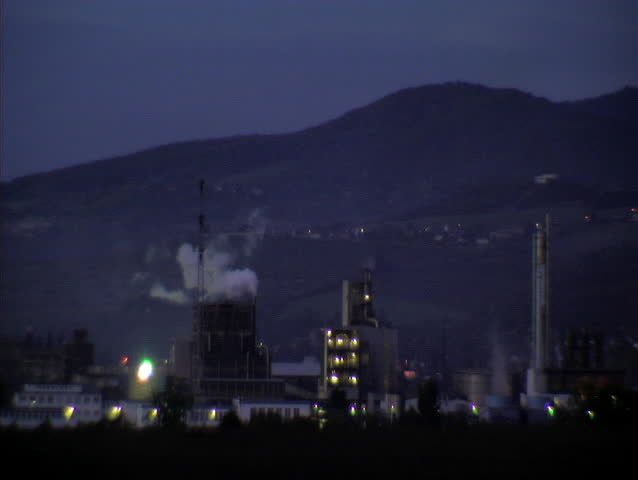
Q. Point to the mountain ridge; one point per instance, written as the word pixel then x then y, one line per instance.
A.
pixel 85 244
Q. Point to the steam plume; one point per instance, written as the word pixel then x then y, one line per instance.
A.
pixel 220 280
pixel 177 297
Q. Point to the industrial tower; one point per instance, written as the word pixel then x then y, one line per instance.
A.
pixel 226 361
pixel 361 357
pixel 540 344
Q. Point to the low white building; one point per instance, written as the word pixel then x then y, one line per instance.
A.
pixel 60 405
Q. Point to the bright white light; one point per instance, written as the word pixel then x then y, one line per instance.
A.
pixel 145 371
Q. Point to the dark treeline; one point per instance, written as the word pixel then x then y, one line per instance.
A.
pixel 299 449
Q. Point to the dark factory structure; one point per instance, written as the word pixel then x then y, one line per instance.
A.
pixel 226 360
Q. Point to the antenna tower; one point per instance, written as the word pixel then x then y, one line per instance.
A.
pixel 201 245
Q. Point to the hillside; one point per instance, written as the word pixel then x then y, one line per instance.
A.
pixel 85 246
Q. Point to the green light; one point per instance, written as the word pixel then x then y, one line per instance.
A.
pixel 145 370
pixel 475 410
pixel 591 414
pixel 551 410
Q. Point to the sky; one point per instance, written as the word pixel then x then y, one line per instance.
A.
pixel 85 80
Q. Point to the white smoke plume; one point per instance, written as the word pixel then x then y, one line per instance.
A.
pixel 187 259
pixel 177 297
pixel 220 280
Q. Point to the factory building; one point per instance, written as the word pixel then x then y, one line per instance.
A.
pixel 33 360
pixel 361 357
pixel 60 405
pixel 180 356
pixel 583 364
pixel 226 360
pixel 301 379
pixel 356 303
pixel 342 362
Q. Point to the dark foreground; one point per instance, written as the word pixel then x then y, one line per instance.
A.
pixel 479 451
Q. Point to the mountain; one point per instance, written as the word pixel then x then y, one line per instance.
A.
pixel 402 151
pixel 621 106
pixel 86 245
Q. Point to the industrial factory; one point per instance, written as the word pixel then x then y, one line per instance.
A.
pixel 224 368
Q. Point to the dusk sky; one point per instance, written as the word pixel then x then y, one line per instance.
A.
pixel 85 80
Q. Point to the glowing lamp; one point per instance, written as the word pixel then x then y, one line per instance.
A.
pixel 145 370
pixel 68 412
pixel 114 412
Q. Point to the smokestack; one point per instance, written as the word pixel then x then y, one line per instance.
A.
pixel 540 296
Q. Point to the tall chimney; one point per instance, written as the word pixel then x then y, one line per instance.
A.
pixel 540 296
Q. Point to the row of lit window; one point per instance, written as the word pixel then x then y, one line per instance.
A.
pixel 351 360
pixel 342 341
pixel 336 379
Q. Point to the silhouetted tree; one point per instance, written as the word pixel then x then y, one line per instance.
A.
pixel 173 403
pixel 230 421
pixel 429 402
pixel 270 420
